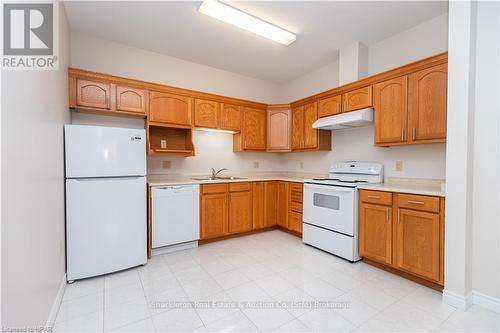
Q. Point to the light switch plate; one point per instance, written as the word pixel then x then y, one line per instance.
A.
pixel 163 144
pixel 399 166
pixel 256 164
pixel 302 165
pixel 166 164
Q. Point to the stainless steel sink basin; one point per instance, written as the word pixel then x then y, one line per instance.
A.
pixel 218 178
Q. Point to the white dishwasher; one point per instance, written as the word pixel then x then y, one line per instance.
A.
pixel 175 214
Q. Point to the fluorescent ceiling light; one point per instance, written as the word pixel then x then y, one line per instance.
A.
pixel 246 21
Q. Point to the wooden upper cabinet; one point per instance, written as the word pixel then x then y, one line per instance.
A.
pixel 427 107
pixel 417 243
pixel 214 218
pixel 130 99
pixel 310 133
pixel 391 111
pixel 357 99
pixel 375 232
pixel 282 210
pixel 206 113
pixel 230 117
pixel 254 129
pixel 330 106
pixel 170 109
pixel 258 205
pixel 240 211
pixel 279 130
pixel 270 203
pixel 93 94
pixel 298 128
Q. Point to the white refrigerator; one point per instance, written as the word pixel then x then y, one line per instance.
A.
pixel 105 199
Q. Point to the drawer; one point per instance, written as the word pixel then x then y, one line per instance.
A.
pixel 239 187
pixel 296 206
pixel 418 202
pixel 376 197
pixel 295 222
pixel 214 188
pixel 296 192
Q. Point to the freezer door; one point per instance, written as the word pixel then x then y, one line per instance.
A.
pixel 98 151
pixel 105 225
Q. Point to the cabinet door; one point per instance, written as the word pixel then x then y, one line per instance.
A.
pixel 270 203
pixel 330 106
pixel 428 98
pixel 375 232
pixel 170 109
pixel 130 99
pixel 213 215
pixel 310 133
pixel 391 112
pixel 357 99
pixel 278 130
pixel 230 117
pixel 297 128
pixel 282 215
pixel 240 212
pixel 93 94
pixel 295 223
pixel 206 113
pixel 258 205
pixel 417 243
pixel 254 129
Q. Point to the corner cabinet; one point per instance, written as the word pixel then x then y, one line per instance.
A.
pixel 304 136
pixel 404 232
pixel 252 136
pixel 279 130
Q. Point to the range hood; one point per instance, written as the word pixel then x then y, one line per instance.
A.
pixel 359 118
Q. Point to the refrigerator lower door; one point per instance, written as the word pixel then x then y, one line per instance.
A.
pixel 105 225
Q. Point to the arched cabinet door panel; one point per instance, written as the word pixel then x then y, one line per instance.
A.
pixel 169 108
pixel 206 113
pixel 93 94
pixel 130 99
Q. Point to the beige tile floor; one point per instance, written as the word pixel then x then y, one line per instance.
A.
pixel 264 282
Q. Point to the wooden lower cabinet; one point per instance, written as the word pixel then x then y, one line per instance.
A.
pixel 213 215
pixel 417 243
pixel 295 223
pixel 375 238
pixel 403 231
pixel 270 203
pixel 282 211
pixel 258 204
pixel 240 212
pixel 295 213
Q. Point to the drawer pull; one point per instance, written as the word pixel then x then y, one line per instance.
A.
pixel 414 202
pixel 387 214
pixel 399 216
pixel 373 197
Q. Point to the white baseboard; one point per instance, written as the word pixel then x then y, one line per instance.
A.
pixel 456 300
pixel 57 303
pixel 174 248
pixel 488 302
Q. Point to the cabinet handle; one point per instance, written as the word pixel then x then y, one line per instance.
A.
pixel 402 134
pixel 414 202
pixel 228 197
pixel 399 216
pixel 373 197
pixel 387 214
pixel 413 133
pixel 225 198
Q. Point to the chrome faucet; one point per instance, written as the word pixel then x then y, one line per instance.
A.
pixel 215 173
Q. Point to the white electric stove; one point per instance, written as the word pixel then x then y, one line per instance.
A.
pixel 331 209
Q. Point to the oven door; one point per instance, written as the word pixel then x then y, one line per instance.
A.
pixel 330 207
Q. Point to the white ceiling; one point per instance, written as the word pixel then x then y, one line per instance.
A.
pixel 177 29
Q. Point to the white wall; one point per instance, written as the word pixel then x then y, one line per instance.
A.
pixel 485 214
pixel 109 57
pixel 34 109
pixel 423 40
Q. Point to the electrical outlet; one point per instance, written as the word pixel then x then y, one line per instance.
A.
pixel 302 165
pixel 256 164
pixel 166 164
pixel 163 144
pixel 399 166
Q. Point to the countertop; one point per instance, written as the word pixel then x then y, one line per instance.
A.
pixel 165 180
pixel 432 187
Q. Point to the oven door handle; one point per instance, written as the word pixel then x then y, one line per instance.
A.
pixel 329 188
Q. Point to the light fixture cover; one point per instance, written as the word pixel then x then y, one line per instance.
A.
pixel 246 21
